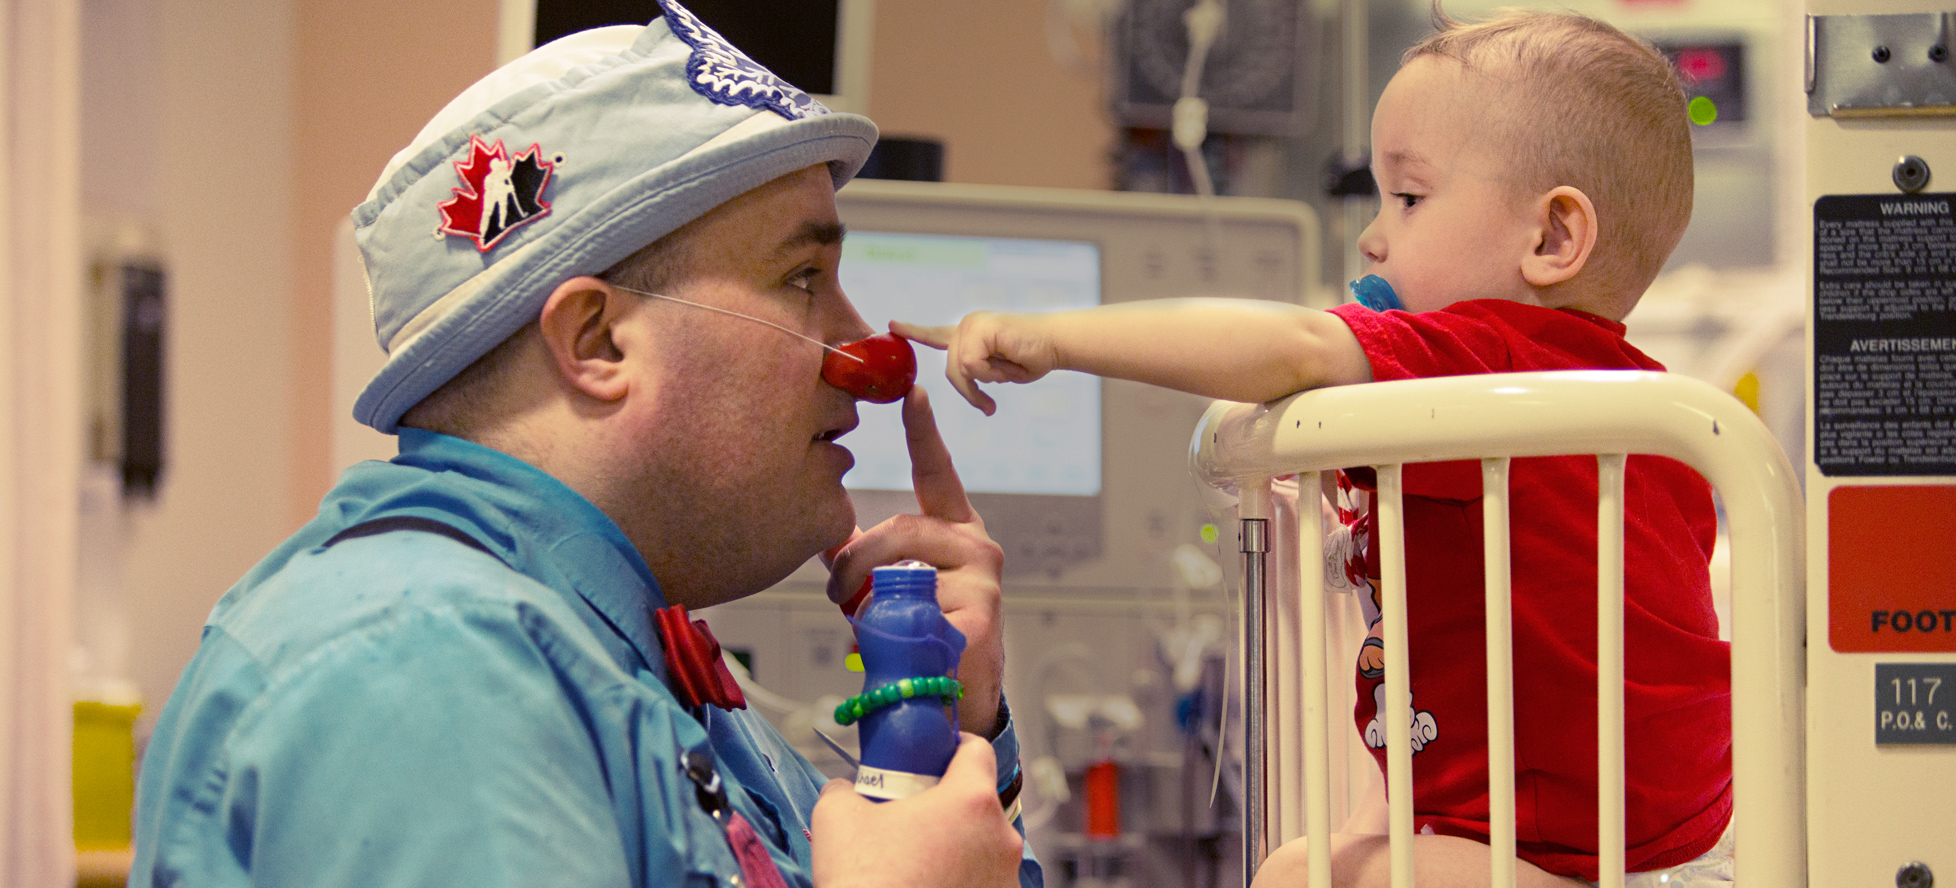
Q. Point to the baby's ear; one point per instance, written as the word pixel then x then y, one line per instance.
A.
pixel 1564 239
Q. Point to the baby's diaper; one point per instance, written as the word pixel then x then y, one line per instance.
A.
pixel 1713 870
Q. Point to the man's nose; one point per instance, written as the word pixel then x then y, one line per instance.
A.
pixel 848 325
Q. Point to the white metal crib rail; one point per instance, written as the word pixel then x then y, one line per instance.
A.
pixel 1240 447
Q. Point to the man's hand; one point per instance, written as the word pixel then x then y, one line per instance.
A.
pixel 953 835
pixel 950 536
pixel 987 346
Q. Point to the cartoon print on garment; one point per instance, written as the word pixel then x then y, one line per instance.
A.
pixel 721 72
pixel 1345 543
pixel 1350 546
pixel 1347 558
pixel 1425 728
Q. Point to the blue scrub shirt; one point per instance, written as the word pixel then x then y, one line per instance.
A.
pixel 403 709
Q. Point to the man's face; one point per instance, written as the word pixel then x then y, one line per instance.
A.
pixel 1449 227
pixel 739 477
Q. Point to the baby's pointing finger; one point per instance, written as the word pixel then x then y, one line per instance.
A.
pixel 936 337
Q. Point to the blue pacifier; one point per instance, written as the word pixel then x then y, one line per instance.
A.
pixel 1374 293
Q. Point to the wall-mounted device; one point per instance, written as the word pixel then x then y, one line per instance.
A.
pixel 1714 79
pixel 1257 80
pixel 126 318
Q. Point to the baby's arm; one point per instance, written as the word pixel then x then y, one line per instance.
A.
pixel 1235 349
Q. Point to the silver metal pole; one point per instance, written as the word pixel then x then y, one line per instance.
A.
pixel 1256 545
pixel 1356 132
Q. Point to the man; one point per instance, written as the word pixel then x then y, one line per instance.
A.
pixel 465 671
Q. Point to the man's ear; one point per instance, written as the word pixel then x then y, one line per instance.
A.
pixel 577 324
pixel 1565 239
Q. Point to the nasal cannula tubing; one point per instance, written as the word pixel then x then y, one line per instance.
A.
pixel 747 316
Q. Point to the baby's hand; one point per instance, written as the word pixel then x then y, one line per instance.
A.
pixel 987 346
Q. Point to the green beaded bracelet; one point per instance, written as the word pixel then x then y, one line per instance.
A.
pixel 889 695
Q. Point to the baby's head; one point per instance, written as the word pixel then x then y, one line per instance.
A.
pixel 1542 157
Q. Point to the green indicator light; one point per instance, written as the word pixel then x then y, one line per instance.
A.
pixel 1209 533
pixel 1702 111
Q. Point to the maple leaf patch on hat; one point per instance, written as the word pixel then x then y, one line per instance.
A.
pixel 497 194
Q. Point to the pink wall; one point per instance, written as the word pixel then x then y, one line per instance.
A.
pixel 369 74
pixel 980 77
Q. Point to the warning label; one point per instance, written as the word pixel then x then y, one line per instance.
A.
pixel 1885 334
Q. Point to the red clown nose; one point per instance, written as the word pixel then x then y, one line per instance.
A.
pixel 879 369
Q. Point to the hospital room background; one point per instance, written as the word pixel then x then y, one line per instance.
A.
pixel 189 321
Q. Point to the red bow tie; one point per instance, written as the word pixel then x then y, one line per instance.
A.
pixel 693 661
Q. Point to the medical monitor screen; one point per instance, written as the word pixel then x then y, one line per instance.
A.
pixel 1045 437
pixel 795 39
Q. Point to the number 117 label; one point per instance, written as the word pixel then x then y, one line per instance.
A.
pixel 1915 704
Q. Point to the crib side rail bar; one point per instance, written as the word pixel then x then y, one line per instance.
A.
pixel 1315 692
pixel 1397 706
pixel 1495 557
pixel 1610 791
pixel 1570 412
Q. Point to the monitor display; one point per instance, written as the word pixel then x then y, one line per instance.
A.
pixel 1045 437
pixel 820 46
pixel 795 39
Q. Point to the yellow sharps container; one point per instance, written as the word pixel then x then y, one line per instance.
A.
pixel 105 773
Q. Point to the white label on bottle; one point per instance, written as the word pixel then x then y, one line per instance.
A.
pixel 877 783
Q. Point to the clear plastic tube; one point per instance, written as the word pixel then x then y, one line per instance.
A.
pixel 747 316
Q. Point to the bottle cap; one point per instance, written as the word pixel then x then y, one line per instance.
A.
pixel 905 578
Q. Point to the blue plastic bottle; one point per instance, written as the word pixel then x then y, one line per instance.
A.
pixel 903 635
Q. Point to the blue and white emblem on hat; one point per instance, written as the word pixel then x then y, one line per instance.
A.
pixel 719 71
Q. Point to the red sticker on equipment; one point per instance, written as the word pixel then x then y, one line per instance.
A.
pixel 1891 574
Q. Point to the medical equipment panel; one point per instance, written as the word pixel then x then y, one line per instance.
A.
pixel 1078 479
pixel 1881 474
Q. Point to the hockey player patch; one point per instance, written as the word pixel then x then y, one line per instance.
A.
pixel 498 193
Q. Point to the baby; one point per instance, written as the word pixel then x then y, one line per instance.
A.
pixel 1535 171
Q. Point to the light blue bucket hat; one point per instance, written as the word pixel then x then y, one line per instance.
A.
pixel 565 162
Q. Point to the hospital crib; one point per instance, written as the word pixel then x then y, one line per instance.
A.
pixel 1293 733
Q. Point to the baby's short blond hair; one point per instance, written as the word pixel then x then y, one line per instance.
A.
pixel 1582 104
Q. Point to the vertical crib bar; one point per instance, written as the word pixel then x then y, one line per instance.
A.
pixel 1398 704
pixel 1286 711
pixel 1317 728
pixel 1609 670
pixel 1256 544
pixel 1500 673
